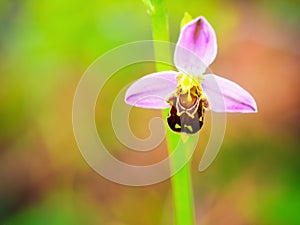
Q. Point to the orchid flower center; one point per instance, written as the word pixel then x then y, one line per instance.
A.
pixel 187 105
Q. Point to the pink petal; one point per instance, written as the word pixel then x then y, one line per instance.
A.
pixel 152 91
pixel 226 96
pixel 196 48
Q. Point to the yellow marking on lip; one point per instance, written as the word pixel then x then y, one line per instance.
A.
pixel 189 127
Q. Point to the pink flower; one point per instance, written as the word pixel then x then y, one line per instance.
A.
pixel 188 92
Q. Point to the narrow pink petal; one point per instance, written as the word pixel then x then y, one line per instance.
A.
pixel 226 96
pixel 196 48
pixel 152 91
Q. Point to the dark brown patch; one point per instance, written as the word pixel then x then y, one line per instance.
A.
pixel 185 123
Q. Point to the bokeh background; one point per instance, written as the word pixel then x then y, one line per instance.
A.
pixel 45 47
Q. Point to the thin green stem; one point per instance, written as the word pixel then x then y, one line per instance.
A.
pixel 182 191
pixel 181 182
pixel 160 31
pixel 182 196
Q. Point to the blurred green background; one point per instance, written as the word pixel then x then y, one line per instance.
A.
pixel 45 47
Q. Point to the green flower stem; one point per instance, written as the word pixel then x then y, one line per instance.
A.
pixel 182 191
pixel 181 181
pixel 160 32
pixel 182 197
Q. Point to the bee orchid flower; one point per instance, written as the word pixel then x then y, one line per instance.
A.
pixel 189 92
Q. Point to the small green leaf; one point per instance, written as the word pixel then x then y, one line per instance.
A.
pixel 186 19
